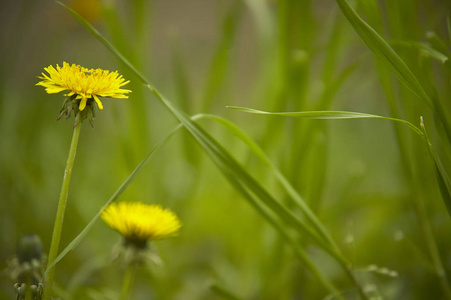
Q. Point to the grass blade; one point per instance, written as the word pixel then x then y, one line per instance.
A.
pixel 391 59
pixel 383 51
pixel 328 115
pixel 448 22
pixel 443 179
pixel 425 49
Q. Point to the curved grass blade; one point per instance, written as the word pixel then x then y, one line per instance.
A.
pixel 445 189
pixel 443 179
pixel 328 115
pixel 424 48
pixel 74 243
pixel 383 51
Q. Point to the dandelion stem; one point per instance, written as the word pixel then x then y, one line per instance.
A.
pixel 58 226
pixel 128 280
pixel 28 295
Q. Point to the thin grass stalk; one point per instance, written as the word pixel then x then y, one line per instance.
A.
pixel 129 275
pixel 28 294
pixel 431 243
pixel 58 226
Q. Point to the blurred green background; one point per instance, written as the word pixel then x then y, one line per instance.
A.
pixel 204 55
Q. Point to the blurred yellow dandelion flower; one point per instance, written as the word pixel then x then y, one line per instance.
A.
pixel 84 84
pixel 139 222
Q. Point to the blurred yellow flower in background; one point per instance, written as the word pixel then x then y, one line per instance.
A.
pixel 84 84
pixel 139 222
pixel 91 10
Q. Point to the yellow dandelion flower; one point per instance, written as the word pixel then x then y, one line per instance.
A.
pixel 83 84
pixel 139 222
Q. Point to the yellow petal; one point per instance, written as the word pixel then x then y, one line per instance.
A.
pixel 98 102
pixel 82 104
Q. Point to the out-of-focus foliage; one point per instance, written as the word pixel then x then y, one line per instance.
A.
pixel 371 183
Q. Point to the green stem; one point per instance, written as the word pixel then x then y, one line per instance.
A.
pixel 128 280
pixel 58 226
pixel 28 295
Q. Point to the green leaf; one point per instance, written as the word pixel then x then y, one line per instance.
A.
pixel 443 179
pixel 383 51
pixel 328 115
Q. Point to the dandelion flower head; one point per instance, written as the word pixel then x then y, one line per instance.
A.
pixel 83 84
pixel 140 222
